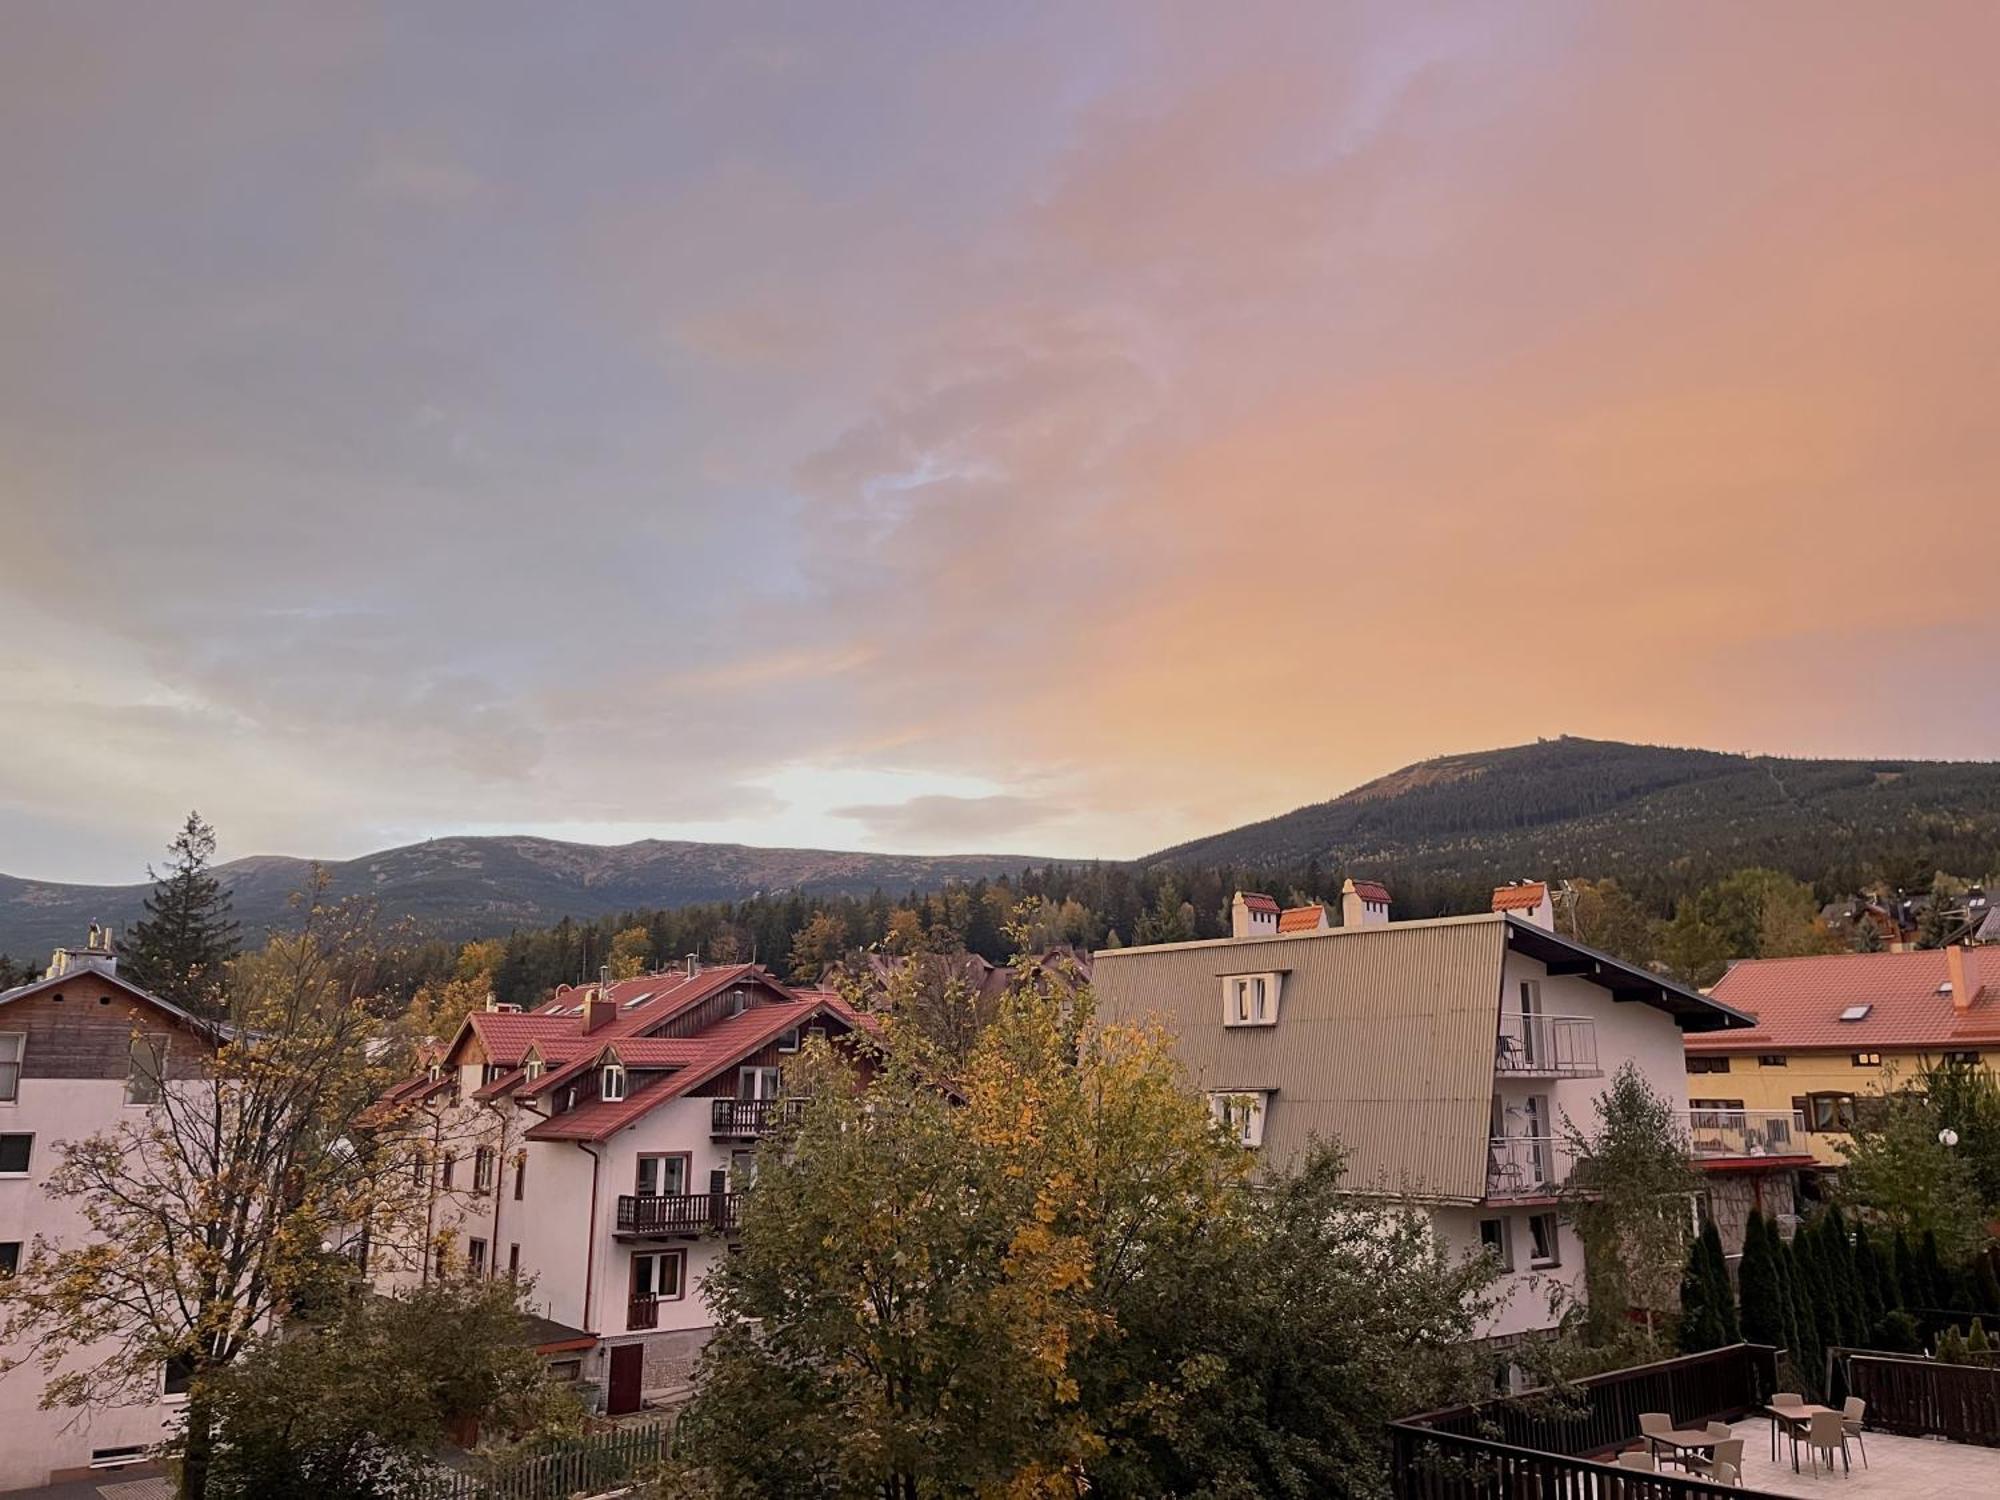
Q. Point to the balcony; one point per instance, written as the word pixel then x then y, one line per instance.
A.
pixel 1524 1166
pixel 678 1215
pixel 747 1119
pixel 1721 1133
pixel 642 1312
pixel 1535 1046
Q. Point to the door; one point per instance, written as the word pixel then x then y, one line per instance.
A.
pixel 1531 1024
pixel 621 1394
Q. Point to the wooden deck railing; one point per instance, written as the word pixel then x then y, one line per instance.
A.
pixel 1426 1464
pixel 1918 1397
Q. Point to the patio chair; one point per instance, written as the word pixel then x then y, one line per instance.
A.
pixel 1636 1460
pixel 1728 1455
pixel 1852 1415
pixel 1788 1398
pixel 1828 1431
pixel 1727 1474
pixel 1721 1430
pixel 1651 1424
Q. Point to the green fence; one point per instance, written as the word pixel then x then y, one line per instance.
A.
pixel 586 1466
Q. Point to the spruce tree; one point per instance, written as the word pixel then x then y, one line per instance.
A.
pixel 1937 1281
pixel 1803 1322
pixel 1762 1317
pixel 1909 1277
pixel 1722 1296
pixel 181 950
pixel 1698 1324
pixel 1868 1282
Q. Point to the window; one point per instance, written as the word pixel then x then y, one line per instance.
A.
pixel 450 1166
pixel 419 1164
pixel 12 1045
pixel 520 1174
pixel 482 1170
pixel 14 1153
pixel 1715 1106
pixel 1250 999
pixel 117 1458
pixel 1545 1248
pixel 1500 1244
pixel 10 1257
pixel 514 1262
pixel 178 1376
pixel 1771 1060
pixel 142 1078
pixel 757 1083
pixel 475 1258
pixel 435 1072
pixel 612 1086
pixel 531 1069
pixel 1962 1059
pixel 1867 1059
pixel 788 1040
pixel 565 1369
pixel 1856 1012
pixel 658 1275
pixel 1241 1113
pixel 662 1176
pixel 1826 1112
pixel 1707 1064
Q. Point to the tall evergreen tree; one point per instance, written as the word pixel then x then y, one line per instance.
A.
pixel 1875 1297
pixel 1722 1296
pixel 1761 1291
pixel 1909 1276
pixel 183 947
pixel 1701 1319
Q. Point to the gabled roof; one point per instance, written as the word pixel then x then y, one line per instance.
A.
pixel 721 1046
pixel 643 1003
pixel 1302 918
pixel 1258 901
pixel 1371 890
pixel 1797 1002
pixel 94 976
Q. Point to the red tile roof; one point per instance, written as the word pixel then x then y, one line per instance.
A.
pixel 1519 897
pixel 1798 1001
pixel 720 1046
pixel 1302 918
pixel 643 1003
pixel 1258 901
pixel 1372 890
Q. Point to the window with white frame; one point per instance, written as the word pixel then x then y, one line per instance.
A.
pixel 658 1275
pixel 531 1069
pixel 1250 999
pixel 15 1153
pixel 1497 1241
pixel 613 1084
pixel 788 1041
pixel 1545 1246
pixel 482 1170
pixel 13 1044
pixel 1241 1113
pixel 148 1062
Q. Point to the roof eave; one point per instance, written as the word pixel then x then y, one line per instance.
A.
pixel 1691 1009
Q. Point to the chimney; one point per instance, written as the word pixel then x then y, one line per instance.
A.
pixel 1252 914
pixel 1363 903
pixel 693 965
pixel 1961 992
pixel 598 1010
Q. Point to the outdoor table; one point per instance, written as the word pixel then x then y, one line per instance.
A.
pixel 1794 1419
pixel 1681 1440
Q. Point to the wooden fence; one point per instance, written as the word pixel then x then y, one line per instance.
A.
pixel 1919 1397
pixel 1600 1413
pixel 587 1466
pixel 1429 1465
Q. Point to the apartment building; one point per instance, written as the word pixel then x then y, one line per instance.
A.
pixel 82 1051
pixel 600 1144
pixel 1441 1054
pixel 1835 1030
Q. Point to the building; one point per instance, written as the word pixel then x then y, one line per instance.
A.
pixel 1442 1055
pixel 599 1144
pixel 82 1052
pixel 1833 1030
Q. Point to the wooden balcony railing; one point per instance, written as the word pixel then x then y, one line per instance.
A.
pixel 642 1312
pixel 746 1119
pixel 673 1214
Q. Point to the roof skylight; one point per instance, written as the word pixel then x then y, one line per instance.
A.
pixel 639 999
pixel 1856 1012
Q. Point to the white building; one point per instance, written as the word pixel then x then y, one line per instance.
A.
pixel 598 1144
pixel 82 1052
pixel 1442 1055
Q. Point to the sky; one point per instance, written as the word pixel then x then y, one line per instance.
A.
pixel 1050 429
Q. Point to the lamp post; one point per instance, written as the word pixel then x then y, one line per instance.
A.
pixel 1947 1137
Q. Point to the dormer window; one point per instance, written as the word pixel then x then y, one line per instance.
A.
pixel 1241 1112
pixel 1250 999
pixel 435 1072
pixel 613 1084
pixel 531 1069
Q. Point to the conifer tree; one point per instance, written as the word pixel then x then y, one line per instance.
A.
pixel 1976 1342
pixel 1986 1284
pixel 1701 1322
pixel 1909 1276
pixel 1874 1301
pixel 182 949
pixel 1762 1317
pixel 1721 1296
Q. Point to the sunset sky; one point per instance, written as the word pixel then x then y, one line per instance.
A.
pixel 1061 429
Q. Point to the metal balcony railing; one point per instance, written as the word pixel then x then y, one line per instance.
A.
pixel 1536 1046
pixel 745 1119
pixel 1524 1166
pixel 671 1214
pixel 1745 1132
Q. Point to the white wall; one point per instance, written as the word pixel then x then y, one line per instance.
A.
pixel 34 1442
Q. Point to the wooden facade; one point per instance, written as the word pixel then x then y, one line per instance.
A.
pixel 83 1027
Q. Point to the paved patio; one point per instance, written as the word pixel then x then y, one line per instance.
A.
pixel 1898 1467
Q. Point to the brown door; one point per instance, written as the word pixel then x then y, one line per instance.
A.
pixel 628 1361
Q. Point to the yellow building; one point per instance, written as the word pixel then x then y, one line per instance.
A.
pixel 1832 1032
